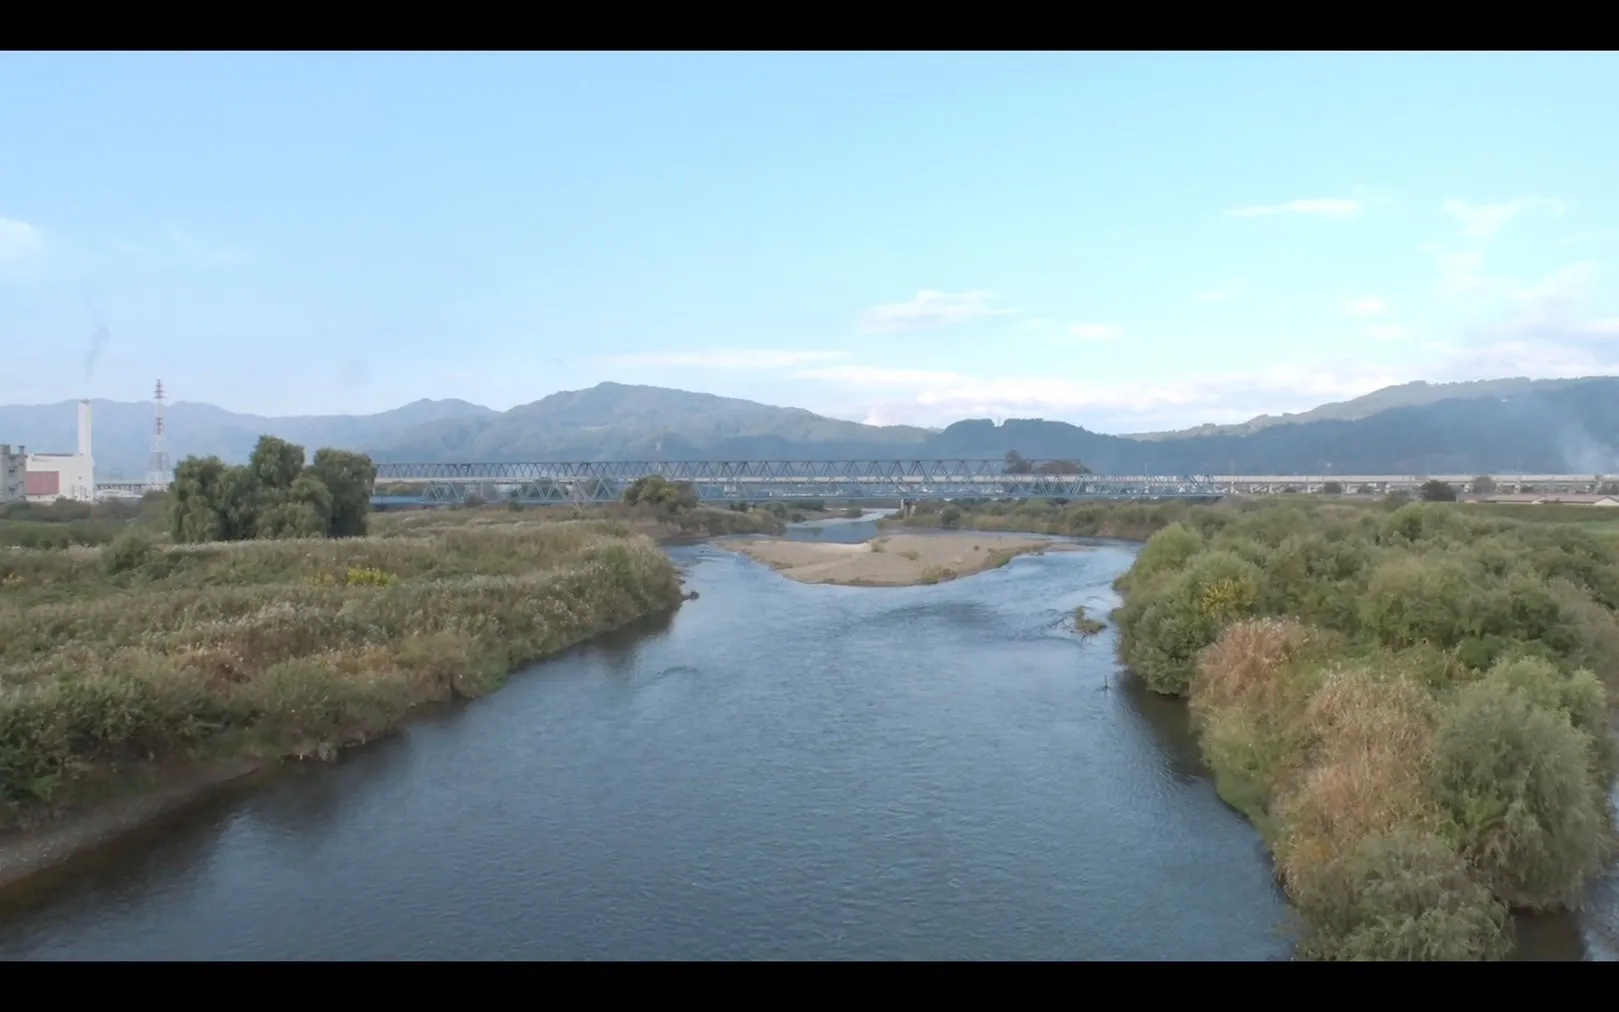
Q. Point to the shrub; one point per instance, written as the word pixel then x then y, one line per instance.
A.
pixel 1166 552
pixel 1515 780
pixel 129 551
pixel 1165 635
pixel 1367 736
pixel 1085 625
pixel 1403 895
pixel 1411 705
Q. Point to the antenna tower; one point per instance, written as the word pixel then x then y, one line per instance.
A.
pixel 157 465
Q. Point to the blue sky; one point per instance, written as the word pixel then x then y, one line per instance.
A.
pixel 1126 241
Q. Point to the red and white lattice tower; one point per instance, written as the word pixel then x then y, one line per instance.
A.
pixel 157 464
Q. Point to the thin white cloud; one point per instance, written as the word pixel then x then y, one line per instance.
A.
pixel 1461 272
pixel 1223 293
pixel 930 309
pixel 1325 207
pixel 1585 238
pixel 202 252
pixel 1365 307
pixel 1387 332
pixel 1482 221
pixel 735 358
pixel 876 376
pixel 934 398
pixel 177 247
pixel 18 240
pixel 929 397
pixel 1095 331
pixel 1561 285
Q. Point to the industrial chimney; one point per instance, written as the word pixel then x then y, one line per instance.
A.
pixel 84 430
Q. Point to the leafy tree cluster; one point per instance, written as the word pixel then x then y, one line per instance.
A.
pixel 657 491
pixel 1410 705
pixel 1435 490
pixel 274 495
pixel 1016 463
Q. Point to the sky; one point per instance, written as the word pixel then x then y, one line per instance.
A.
pixel 1129 242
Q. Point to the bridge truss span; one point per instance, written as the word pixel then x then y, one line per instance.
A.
pixel 764 480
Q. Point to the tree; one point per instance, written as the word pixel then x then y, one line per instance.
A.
pixel 1332 488
pixel 194 500
pixel 656 490
pixel 1015 464
pixel 1434 490
pixel 273 496
pixel 1062 467
pixel 1483 485
pixel 348 477
pixel 276 463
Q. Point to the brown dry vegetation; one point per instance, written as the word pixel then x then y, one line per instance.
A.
pixel 1411 705
pixel 648 519
pixel 116 658
pixel 1135 521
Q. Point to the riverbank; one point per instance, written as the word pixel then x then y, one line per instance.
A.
pixel 658 524
pixel 1412 707
pixel 227 656
pixel 891 561
pixel 1125 521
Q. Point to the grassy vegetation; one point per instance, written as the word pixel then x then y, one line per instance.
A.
pixel 653 520
pixel 65 523
pixel 1411 705
pixel 1085 625
pixel 116 658
pixel 1135 521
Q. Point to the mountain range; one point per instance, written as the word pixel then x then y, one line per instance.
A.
pixel 1494 426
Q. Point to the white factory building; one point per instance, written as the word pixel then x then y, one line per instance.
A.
pixel 53 476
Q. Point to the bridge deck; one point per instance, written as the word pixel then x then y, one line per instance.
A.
pixel 734 481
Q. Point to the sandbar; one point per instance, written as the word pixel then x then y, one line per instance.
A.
pixel 898 560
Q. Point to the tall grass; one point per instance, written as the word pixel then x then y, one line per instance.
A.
pixel 701 521
pixel 1412 706
pixel 1135 521
pixel 112 658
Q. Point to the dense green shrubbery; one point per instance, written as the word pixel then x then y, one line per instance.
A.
pixel 1411 705
pixel 66 523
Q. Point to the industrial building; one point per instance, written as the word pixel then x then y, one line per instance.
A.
pixel 52 476
pixel 13 473
pixel 1573 499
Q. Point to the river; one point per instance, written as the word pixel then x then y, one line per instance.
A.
pixel 780 771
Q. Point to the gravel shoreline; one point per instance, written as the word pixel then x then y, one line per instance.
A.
pixel 898 560
pixel 26 852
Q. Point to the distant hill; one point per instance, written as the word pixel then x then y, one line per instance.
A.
pixel 1564 426
pixel 122 432
pixel 1572 428
pixel 614 421
pixel 1406 395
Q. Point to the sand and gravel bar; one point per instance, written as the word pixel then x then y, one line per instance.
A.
pixel 899 560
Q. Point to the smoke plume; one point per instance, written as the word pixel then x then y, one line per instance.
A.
pixel 99 339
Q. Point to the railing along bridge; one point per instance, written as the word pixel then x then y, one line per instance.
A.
pixel 763 480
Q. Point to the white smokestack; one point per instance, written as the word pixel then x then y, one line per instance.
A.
pixel 84 429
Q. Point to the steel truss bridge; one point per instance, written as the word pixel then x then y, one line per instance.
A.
pixel 763 480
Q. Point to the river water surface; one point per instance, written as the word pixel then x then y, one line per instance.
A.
pixel 780 771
